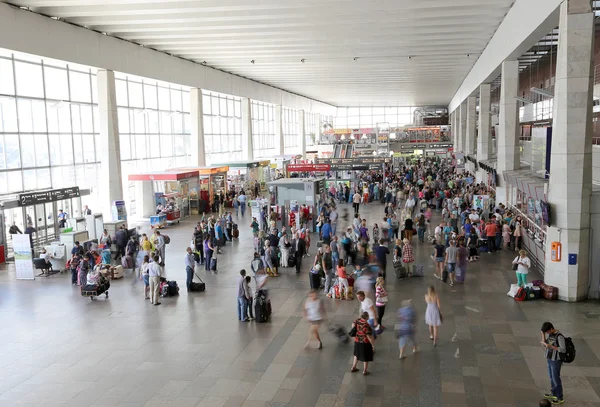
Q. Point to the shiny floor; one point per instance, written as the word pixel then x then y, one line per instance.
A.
pixel 58 348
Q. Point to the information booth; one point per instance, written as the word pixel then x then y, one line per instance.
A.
pixel 243 174
pixel 40 209
pixel 176 188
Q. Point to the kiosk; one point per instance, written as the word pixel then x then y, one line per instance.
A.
pixel 68 240
pixel 176 185
pixel 299 191
pixel 243 174
pixel 212 180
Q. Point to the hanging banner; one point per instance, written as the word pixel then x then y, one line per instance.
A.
pixel 480 201
pixel 23 257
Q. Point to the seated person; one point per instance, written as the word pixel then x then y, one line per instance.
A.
pixel 46 256
pixel 159 209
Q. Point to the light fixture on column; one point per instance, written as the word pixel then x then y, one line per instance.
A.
pixel 393 136
pixel 542 92
pixel 526 101
pixel 252 61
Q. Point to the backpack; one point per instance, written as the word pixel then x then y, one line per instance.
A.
pixel 521 295
pixel 167 239
pixel 569 355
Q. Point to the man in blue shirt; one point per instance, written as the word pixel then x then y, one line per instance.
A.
pixel 326 232
pixel 381 252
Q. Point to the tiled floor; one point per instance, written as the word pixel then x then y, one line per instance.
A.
pixel 58 348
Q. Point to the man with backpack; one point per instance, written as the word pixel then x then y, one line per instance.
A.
pixel 558 349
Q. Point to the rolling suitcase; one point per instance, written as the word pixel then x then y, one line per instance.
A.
pixel 235 233
pixel 445 276
pixel 418 270
pixel 401 272
pixel 262 308
pixel 199 287
pixel 213 264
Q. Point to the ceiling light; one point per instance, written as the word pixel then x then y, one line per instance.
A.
pixel 24 8
pixel 542 92
pixel 302 60
pixel 356 58
pixel 104 33
pixel 55 18
pixel 203 63
pixel 252 61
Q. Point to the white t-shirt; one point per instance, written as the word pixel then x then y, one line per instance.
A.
pixel 366 305
pixel 474 217
pixel 313 310
pixel 356 198
pixel 520 268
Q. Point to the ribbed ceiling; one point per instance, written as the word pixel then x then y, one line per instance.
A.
pixel 344 52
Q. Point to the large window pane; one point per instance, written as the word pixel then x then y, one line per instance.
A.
pixel 7 84
pixel 59 117
pixel 123 114
pixel 125 147
pixel 27 151
pixel 77 149
pixel 176 100
pixel 8 115
pixel 121 91
pixel 66 149
pixel 164 98
pixel 15 181
pixel 29 79
pixel 88 148
pixel 150 97
pixel 136 99
pixel 57 85
pixel 81 90
pixel 152 120
pixel 55 153
pixel 87 120
pixel 13 153
pixel 41 150
pixel 166 145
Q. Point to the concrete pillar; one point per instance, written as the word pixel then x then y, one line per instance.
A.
pixel 462 135
pixel 484 136
pixel 302 133
pixel 279 142
pixel 507 138
pixel 571 152
pixel 471 131
pixel 455 129
pixel 197 134
pixel 319 128
pixel 110 181
pixel 144 199
pixel 247 145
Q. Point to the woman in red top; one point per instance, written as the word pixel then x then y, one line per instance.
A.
pixel 364 344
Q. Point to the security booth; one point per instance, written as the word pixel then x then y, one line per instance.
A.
pixel 39 210
pixel 173 190
pixel 291 193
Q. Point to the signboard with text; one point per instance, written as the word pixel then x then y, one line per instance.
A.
pixel 34 198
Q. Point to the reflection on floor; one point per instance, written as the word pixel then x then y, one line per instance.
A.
pixel 61 349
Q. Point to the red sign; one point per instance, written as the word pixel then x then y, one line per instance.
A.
pixel 308 167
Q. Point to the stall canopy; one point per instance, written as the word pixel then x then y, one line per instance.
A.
pixel 246 164
pixel 204 170
pixel 175 175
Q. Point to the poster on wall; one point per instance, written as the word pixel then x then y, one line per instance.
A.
pixel 480 201
pixel 23 257
pixel 530 208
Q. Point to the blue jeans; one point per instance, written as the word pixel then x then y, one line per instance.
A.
pixel 243 209
pixel 371 322
pixel 241 308
pixel 555 381
pixel 421 233
pixel 190 276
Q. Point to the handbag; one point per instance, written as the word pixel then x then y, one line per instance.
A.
pixel 515 267
pixel 441 318
pixel 352 332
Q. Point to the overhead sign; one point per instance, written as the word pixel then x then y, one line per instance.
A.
pixel 53 195
pixel 308 167
pixel 354 161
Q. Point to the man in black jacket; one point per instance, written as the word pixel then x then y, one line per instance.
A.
pixel 121 242
pixel 300 249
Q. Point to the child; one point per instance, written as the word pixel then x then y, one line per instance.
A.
pixel 376 234
pixel 343 280
pixel 74 263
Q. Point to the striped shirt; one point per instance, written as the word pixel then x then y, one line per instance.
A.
pixel 556 339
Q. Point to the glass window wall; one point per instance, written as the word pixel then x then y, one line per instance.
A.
pixel 291 129
pixel 222 127
pixel 263 129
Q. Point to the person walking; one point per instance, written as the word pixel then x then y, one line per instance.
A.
pixel 450 259
pixel 327 264
pixel 366 305
pixel 408 257
pixel 439 256
pixel 154 275
pixel 314 313
pixel 406 327
pixel 190 263
pixel 433 315
pixel 490 233
pixel 343 280
pixel 522 263
pixel 461 263
pixel 356 201
pixel 554 343
pixel 241 296
pixel 364 343
pixel 381 299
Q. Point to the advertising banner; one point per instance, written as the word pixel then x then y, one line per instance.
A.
pixel 23 257
pixel 480 201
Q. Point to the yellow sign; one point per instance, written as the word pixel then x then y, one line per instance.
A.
pixel 402 155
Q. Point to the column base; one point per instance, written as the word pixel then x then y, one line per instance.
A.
pixel 572 280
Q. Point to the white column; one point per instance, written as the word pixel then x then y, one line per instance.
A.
pixel 111 182
pixel 319 129
pixel 484 136
pixel 455 129
pixel 279 142
pixel 507 138
pixel 197 122
pixel 571 155
pixel 302 132
pixel 144 199
pixel 462 135
pixel 247 145
pixel 470 136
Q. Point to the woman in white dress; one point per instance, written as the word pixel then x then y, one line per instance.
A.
pixel 433 315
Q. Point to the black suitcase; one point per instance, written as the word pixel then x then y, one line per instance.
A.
pixel 445 275
pixel 291 261
pixel 262 308
pixel 198 287
pixel 213 264
pixel 401 272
